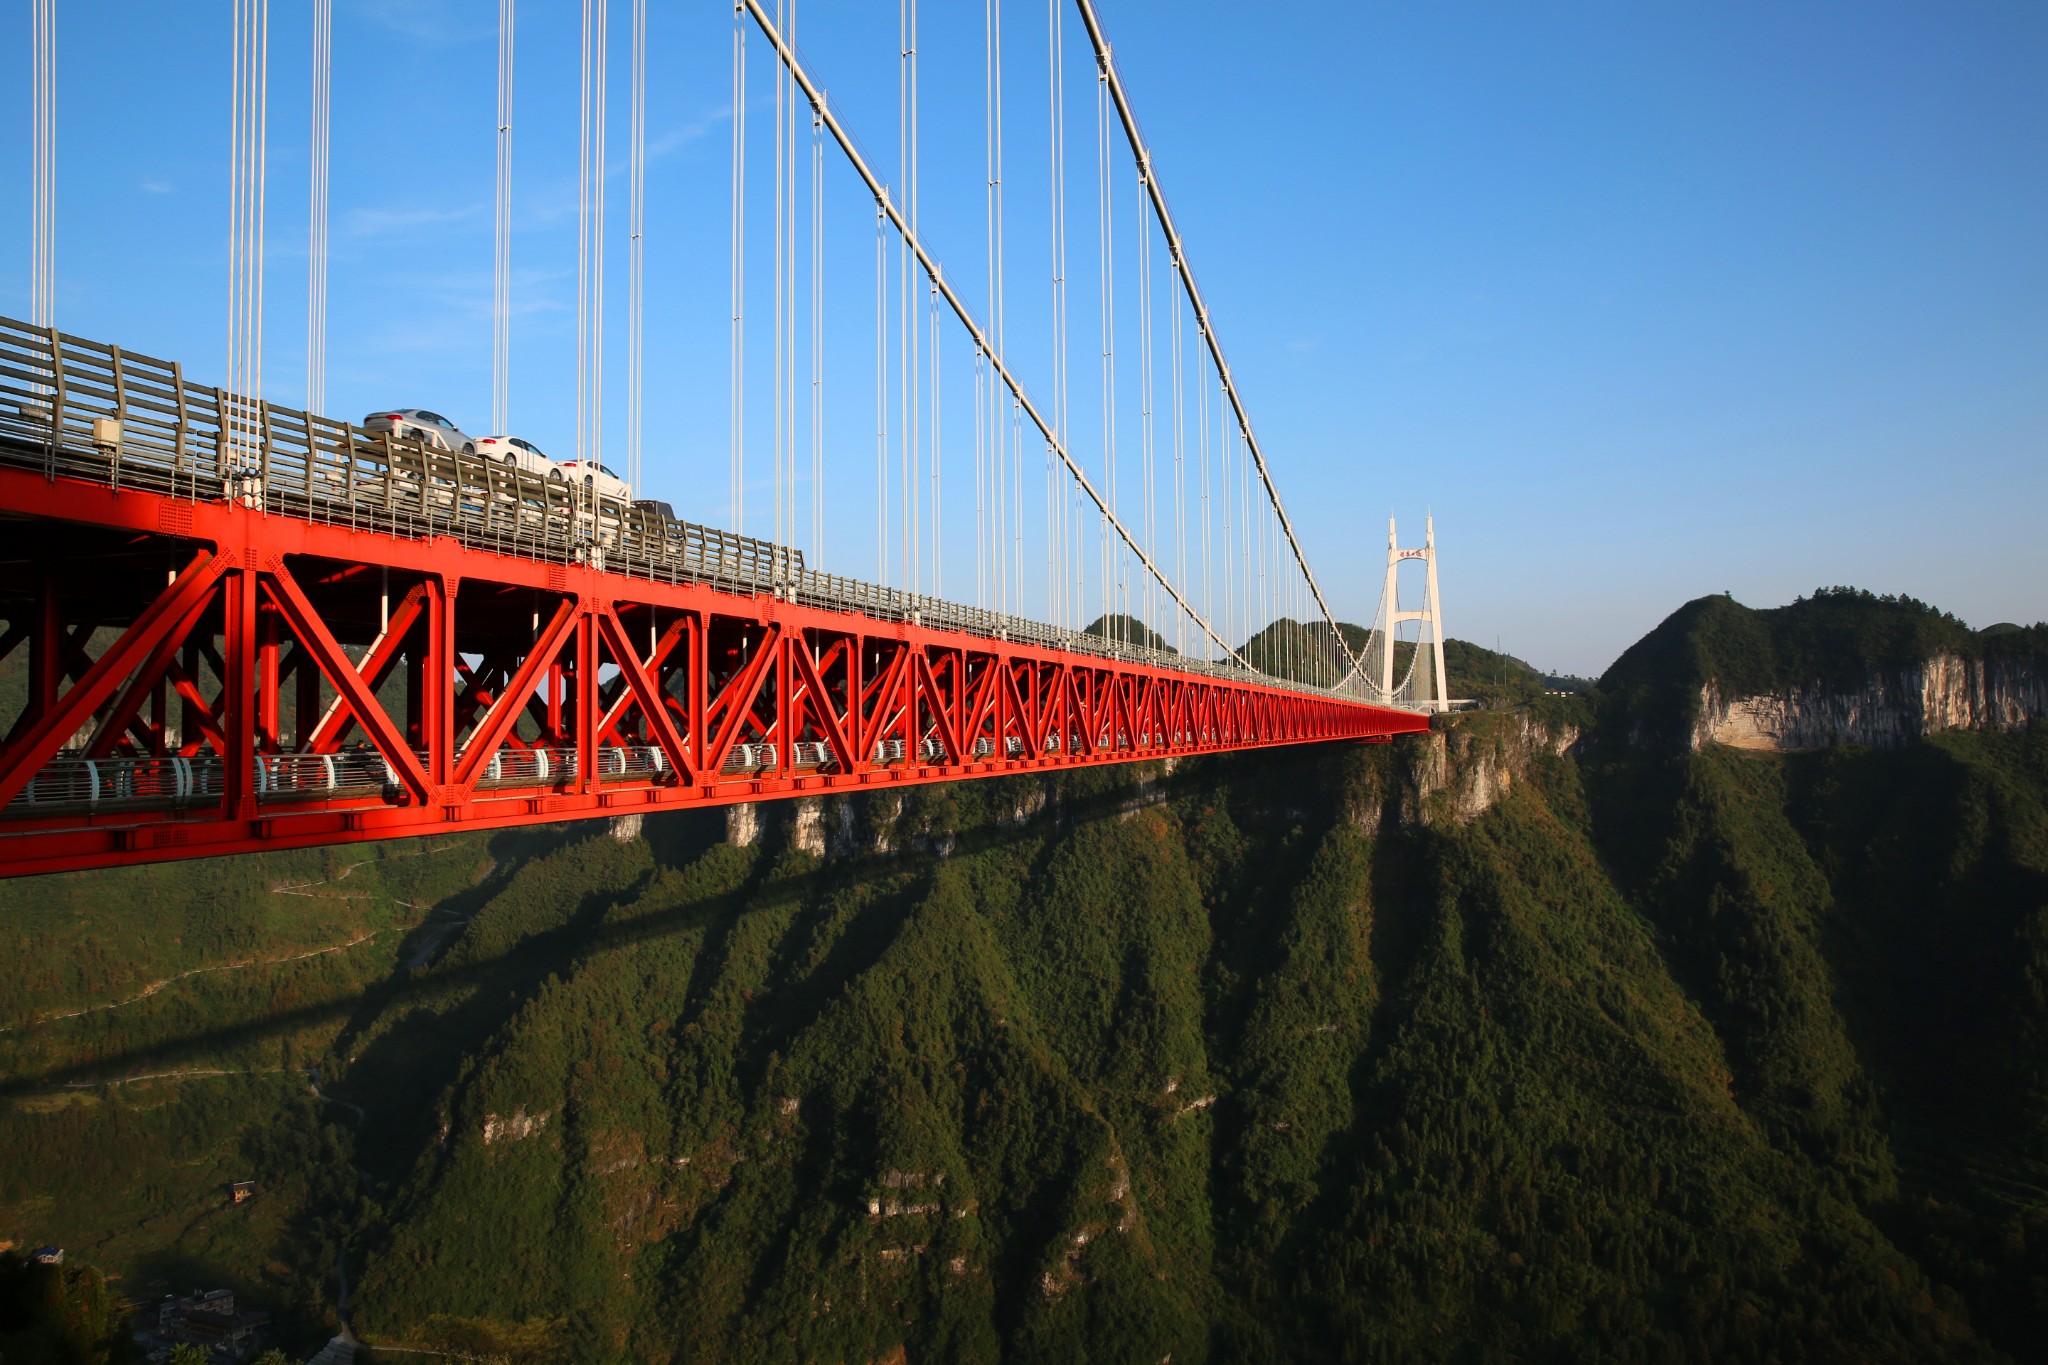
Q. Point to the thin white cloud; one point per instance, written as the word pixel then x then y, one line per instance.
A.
pixel 152 185
pixel 684 134
pixel 427 21
pixel 378 222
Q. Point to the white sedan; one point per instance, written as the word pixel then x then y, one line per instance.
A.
pixel 524 456
pixel 595 477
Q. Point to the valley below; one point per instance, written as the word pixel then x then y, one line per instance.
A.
pixel 1702 1016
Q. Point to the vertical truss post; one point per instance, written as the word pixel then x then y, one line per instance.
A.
pixel 238 690
pixel 587 753
pixel 439 714
pixel 266 677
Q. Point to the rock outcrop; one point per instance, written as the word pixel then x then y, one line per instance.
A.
pixel 1460 770
pixel 1891 708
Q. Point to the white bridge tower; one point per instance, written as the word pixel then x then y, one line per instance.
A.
pixel 1424 686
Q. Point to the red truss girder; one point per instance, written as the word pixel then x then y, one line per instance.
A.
pixel 612 694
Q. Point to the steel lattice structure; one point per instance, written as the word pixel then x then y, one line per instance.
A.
pixel 246 636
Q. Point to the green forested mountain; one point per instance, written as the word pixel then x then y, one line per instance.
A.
pixel 1515 1042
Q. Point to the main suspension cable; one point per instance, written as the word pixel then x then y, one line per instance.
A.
pixel 1083 486
pixel 1096 37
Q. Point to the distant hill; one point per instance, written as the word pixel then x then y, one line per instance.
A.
pixel 1839 641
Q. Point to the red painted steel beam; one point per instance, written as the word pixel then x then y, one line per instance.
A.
pixel 725 668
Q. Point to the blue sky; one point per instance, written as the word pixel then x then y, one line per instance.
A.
pixel 1642 301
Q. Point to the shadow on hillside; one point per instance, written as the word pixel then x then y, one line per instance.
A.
pixel 585 933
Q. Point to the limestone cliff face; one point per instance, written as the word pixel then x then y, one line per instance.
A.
pixel 1891 708
pixel 1460 770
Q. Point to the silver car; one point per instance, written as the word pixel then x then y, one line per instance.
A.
pixel 421 425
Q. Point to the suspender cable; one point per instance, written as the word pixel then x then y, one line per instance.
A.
pixel 881 394
pixel 781 213
pixel 590 241
pixel 938 514
pixel 904 359
pixel 1115 599
pixel 1093 23
pixel 981 498
pixel 786 534
pixel 1145 402
pixel 1180 485
pixel 43 163
pixel 501 283
pixel 636 216
pixel 913 363
pixel 992 91
pixel 248 101
pixel 316 214
pixel 1055 504
pixel 817 338
pixel 739 264
pixel 1056 449
pixel 1202 453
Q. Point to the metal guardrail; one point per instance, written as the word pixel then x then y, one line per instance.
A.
pixel 71 783
pixel 84 410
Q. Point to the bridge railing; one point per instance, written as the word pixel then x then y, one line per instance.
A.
pixel 81 409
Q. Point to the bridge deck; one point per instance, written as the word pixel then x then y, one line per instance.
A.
pixel 215 599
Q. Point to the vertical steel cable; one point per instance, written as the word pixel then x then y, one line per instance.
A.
pixel 590 246
pixel 881 396
pixel 1010 549
pixel 1055 504
pixel 501 257
pixel 938 514
pixel 1202 451
pixel 779 387
pixel 1180 486
pixel 787 533
pixel 636 216
pixel 739 263
pixel 903 365
pixel 316 213
pixel 913 365
pixel 248 101
pixel 981 500
pixel 789 536
pixel 43 162
pixel 992 85
pixel 817 337
pixel 1145 399
pixel 1114 599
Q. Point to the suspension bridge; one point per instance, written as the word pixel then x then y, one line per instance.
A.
pixel 235 625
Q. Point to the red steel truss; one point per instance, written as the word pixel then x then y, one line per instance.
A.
pixel 207 677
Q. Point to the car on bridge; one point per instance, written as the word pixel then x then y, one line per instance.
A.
pixel 598 479
pixel 522 455
pixel 422 425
